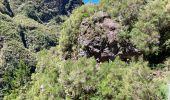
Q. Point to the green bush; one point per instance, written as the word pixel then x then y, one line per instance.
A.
pixel 85 79
pixel 150 32
pixel 15 69
pixel 70 29
pixel 8 29
pixel 125 11
pixel 145 25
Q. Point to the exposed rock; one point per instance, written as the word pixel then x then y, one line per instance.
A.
pixel 8 8
pixel 50 8
pixel 99 38
pixel 127 51
pixel 1 42
pixel 5 8
pixel 44 10
pixel 1 46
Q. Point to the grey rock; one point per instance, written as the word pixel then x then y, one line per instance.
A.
pixel 99 39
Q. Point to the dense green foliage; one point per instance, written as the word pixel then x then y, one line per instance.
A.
pixel 83 79
pixel 39 48
pixel 124 11
pixel 152 30
pixel 70 29
pixel 144 24
pixel 35 36
pixel 8 29
pixel 20 38
pixel 16 64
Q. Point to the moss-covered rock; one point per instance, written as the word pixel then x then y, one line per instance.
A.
pixel 97 36
pixel 68 40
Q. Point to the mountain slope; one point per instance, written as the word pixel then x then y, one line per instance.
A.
pixel 23 33
pixel 118 49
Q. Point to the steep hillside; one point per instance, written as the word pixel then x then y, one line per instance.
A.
pixel 44 10
pixel 55 50
pixel 23 33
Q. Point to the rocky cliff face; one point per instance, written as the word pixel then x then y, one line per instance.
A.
pixel 51 8
pixel 40 10
pixel 44 10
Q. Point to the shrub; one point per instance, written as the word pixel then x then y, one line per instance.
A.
pixel 16 65
pixel 84 79
pixel 8 29
pixel 124 11
pixel 70 29
pixel 152 31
